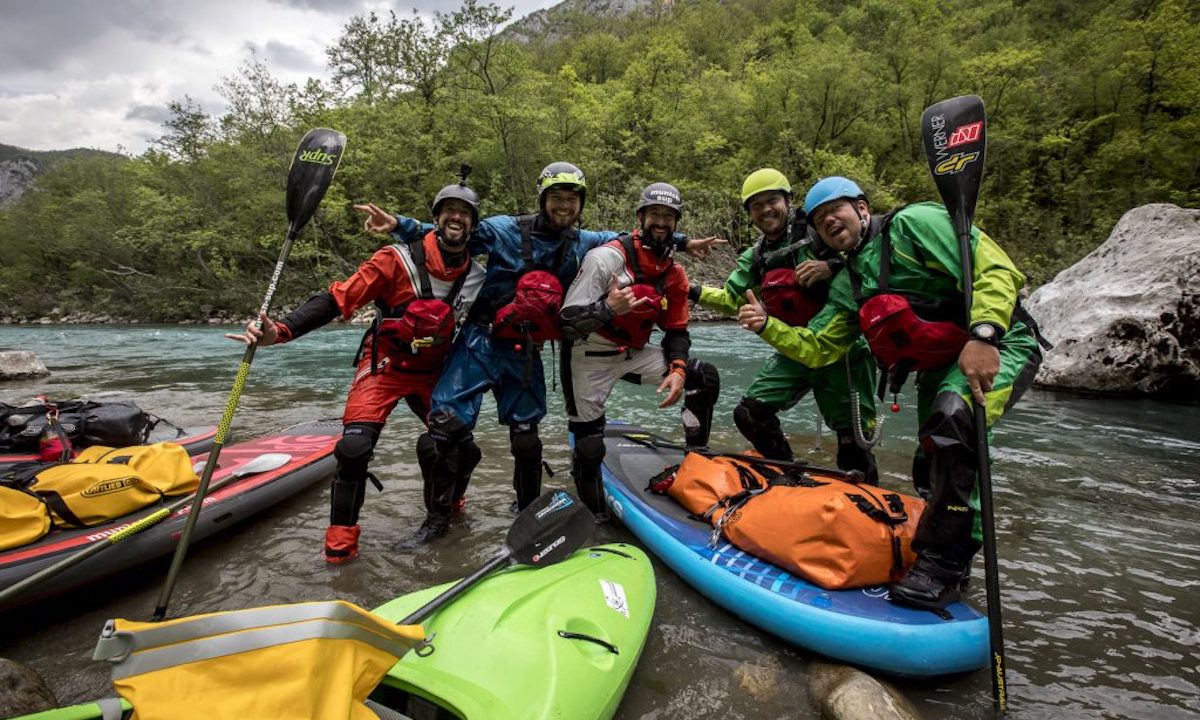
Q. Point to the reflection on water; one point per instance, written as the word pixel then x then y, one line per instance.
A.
pixel 1097 532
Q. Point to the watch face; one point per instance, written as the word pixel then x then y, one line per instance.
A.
pixel 983 332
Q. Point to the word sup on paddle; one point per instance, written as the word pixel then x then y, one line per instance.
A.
pixel 311 172
pixel 954 133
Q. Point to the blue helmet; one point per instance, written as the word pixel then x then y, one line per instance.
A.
pixel 829 189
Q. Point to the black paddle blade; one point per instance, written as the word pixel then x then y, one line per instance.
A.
pixel 954 133
pixel 549 529
pixel 312 170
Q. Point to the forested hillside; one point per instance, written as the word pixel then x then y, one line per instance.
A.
pixel 1092 111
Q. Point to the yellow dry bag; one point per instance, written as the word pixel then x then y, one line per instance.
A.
pixel 308 661
pixel 104 483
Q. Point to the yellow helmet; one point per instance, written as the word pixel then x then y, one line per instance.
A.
pixel 764 180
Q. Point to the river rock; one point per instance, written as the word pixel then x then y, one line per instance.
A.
pixel 1126 318
pixel 20 364
pixel 22 690
pixel 844 693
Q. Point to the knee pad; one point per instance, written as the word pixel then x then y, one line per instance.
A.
pixel 755 415
pixel 702 386
pixel 951 423
pixel 525 442
pixel 427 454
pixel 354 450
pixel 447 427
pixel 589 438
pixel 759 423
pixel 701 381
pixel 468 456
pixel 348 489
pixel 586 460
pixel 527 462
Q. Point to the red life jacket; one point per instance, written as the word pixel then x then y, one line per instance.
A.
pixel 788 300
pixel 532 314
pixel 907 334
pixel 633 329
pixel 416 335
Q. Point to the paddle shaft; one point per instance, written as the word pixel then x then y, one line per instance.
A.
pixel 311 171
pixel 239 383
pixel 457 589
pixel 786 464
pixel 154 518
pixel 991 565
pixel 960 125
pixel 546 531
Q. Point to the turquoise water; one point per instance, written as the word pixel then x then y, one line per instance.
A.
pixel 1097 532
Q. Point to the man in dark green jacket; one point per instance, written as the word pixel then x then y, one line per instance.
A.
pixel 912 257
pixel 785 247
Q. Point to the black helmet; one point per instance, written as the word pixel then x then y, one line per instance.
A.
pixel 459 191
pixel 561 174
pixel 661 193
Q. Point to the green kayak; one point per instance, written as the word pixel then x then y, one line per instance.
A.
pixel 559 641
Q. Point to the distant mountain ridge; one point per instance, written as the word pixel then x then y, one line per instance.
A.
pixel 20 167
pixel 561 20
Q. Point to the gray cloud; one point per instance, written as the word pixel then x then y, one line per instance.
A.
pixel 348 7
pixel 289 57
pixel 158 114
pixel 40 36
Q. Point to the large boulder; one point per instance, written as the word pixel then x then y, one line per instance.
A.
pixel 1126 318
pixel 19 364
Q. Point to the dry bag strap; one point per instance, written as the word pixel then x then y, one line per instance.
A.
pixel 892 514
pixel 135 652
pixel 55 502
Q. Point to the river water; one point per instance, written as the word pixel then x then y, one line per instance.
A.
pixel 1097 531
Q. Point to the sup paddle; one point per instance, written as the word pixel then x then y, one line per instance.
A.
pixel 312 170
pixel 648 440
pixel 954 133
pixel 545 532
pixel 261 464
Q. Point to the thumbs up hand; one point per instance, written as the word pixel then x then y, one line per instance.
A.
pixel 752 315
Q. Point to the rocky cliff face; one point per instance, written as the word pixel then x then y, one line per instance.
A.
pixel 552 22
pixel 1126 318
pixel 16 175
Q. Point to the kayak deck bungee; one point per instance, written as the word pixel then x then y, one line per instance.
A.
pixel 310 446
pixel 560 641
pixel 194 440
pixel 858 626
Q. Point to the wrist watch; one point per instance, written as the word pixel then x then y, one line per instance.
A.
pixel 988 332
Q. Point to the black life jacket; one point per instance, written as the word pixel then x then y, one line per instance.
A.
pixel 633 329
pixel 415 335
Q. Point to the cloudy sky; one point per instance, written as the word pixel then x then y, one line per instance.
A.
pixel 99 73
